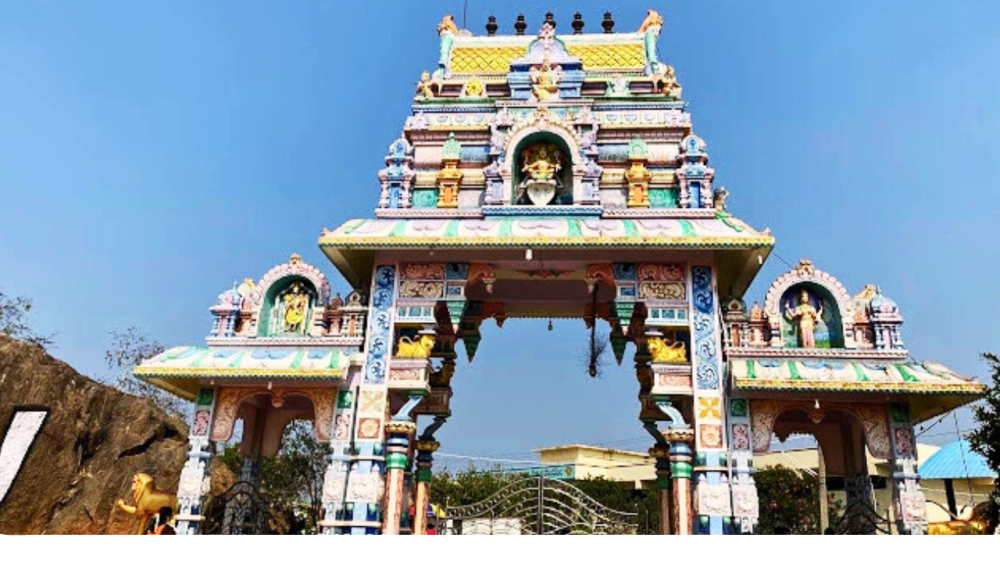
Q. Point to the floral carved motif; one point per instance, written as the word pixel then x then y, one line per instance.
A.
pixel 364 487
pixel 662 290
pixel 369 428
pixel 661 272
pixel 713 500
pixel 421 290
pixel 413 271
pixel 371 401
pixel 710 435
pixel 741 437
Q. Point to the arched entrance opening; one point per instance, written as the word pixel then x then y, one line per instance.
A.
pixel 269 477
pixel 837 492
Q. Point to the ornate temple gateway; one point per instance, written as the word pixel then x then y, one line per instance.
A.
pixel 556 175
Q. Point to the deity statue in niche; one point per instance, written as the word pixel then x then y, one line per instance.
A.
pixel 541 164
pixel 545 80
pixel 294 305
pixel 805 317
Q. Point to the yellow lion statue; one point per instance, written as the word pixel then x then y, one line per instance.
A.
pixel 667 352
pixel 148 500
pixel 415 348
pixel 980 521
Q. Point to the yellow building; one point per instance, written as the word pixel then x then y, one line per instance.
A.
pixel 588 462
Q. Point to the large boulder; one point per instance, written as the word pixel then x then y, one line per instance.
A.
pixel 93 441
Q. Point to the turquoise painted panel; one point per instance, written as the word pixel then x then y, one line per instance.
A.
pixel 425 198
pixel 663 197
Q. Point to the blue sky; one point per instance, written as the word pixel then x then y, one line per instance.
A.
pixel 153 153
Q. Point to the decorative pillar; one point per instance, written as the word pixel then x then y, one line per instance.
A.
pixel 399 433
pixel 335 479
pixel 911 511
pixel 746 509
pixel 425 462
pixel 365 485
pixel 194 481
pixel 664 489
pixel 681 471
pixel 714 505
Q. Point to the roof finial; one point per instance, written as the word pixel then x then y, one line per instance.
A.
pixel 491 26
pixel 609 23
pixel 520 25
pixel 550 19
pixel 577 23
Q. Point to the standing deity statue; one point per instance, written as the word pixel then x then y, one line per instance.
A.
pixel 446 31
pixel 295 303
pixel 650 30
pixel 806 317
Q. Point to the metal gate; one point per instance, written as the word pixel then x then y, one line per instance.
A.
pixel 240 511
pixel 860 518
pixel 537 506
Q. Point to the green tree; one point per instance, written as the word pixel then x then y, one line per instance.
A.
pixel 986 438
pixel 292 480
pixel 620 496
pixel 466 487
pixel 789 501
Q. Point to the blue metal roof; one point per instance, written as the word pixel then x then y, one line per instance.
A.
pixel 956 461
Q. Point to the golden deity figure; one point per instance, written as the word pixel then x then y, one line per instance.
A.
pixel 148 500
pixel 541 164
pixel 545 80
pixel 425 88
pixel 296 302
pixel 806 316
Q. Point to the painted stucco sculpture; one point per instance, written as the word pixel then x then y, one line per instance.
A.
pixel 548 176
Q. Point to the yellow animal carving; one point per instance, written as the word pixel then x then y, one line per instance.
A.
pixel 977 522
pixel 148 500
pixel 415 348
pixel 667 352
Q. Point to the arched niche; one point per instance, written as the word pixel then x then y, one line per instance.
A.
pixel 550 124
pixel 289 297
pixel 534 141
pixel 829 332
pixel 821 284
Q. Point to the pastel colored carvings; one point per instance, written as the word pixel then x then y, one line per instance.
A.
pixel 449 179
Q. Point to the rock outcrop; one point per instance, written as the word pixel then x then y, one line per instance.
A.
pixel 93 440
